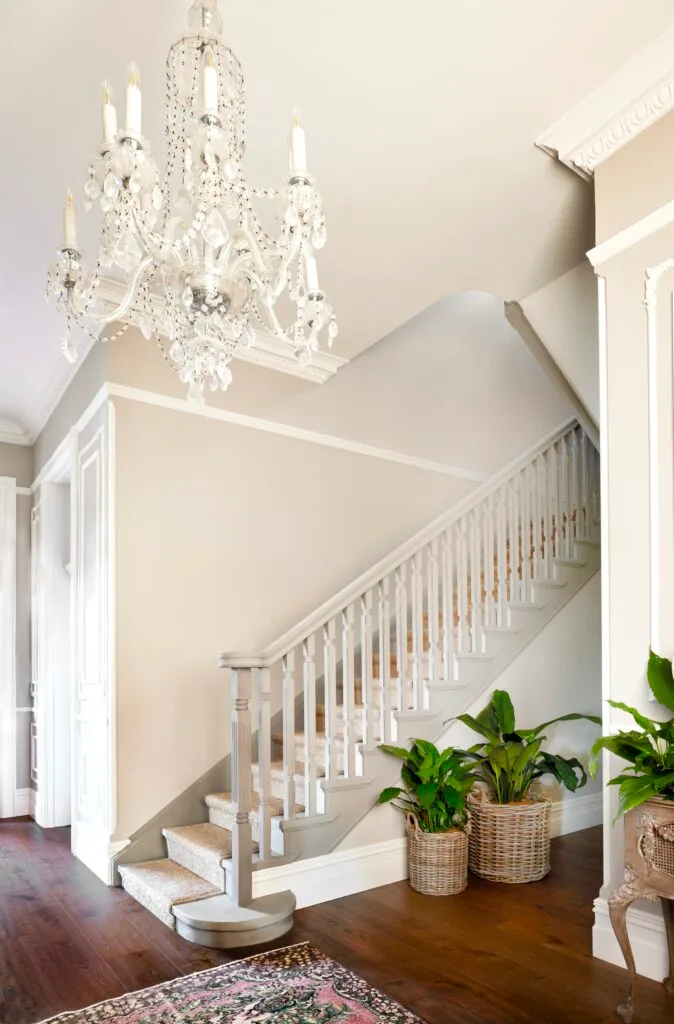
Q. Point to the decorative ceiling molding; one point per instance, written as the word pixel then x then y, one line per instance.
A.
pixel 622 107
pixel 268 351
pixel 12 433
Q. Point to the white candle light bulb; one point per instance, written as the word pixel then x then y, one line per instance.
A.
pixel 210 83
pixel 311 273
pixel 298 149
pixel 134 103
pixel 70 222
pixel 109 116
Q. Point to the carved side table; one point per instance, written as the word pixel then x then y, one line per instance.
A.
pixel 649 875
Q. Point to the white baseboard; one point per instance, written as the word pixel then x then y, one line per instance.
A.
pixel 95 850
pixel 647 935
pixel 24 803
pixel 346 872
pixel 575 813
pixel 338 874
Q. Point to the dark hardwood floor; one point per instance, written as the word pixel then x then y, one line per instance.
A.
pixel 493 955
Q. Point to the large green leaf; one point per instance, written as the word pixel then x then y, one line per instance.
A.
pixel 573 717
pixel 504 711
pixel 626 745
pixel 395 751
pixel 660 680
pixel 478 727
pixel 427 793
pixel 634 792
pixel 388 794
pixel 647 724
pixel 428 750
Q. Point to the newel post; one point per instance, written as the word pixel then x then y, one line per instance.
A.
pixel 242 843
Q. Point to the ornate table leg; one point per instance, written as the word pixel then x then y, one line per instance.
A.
pixel 668 911
pixel 618 905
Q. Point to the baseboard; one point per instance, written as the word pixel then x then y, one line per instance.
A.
pixel 96 851
pixel 343 873
pixel 647 935
pixel 575 813
pixel 24 800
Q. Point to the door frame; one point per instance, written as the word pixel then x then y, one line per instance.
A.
pixel 8 531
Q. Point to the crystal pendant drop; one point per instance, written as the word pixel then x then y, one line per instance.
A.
pixel 215 229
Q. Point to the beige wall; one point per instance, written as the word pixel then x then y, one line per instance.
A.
pixel 16 460
pixel 636 180
pixel 226 537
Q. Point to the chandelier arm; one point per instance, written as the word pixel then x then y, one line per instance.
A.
pixel 125 305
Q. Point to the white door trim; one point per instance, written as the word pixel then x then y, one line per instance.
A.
pixel 7 646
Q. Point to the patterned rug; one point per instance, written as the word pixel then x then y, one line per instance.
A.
pixel 296 985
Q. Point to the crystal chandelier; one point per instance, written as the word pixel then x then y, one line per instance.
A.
pixel 188 257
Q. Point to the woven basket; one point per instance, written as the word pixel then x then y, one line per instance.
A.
pixel 509 842
pixel 438 861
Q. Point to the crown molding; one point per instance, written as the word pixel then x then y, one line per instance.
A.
pixel 622 107
pixel 13 433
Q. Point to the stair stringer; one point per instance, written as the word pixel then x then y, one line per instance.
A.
pixel 348 801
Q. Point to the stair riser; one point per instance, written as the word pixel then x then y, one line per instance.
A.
pixel 146 899
pixel 223 817
pixel 206 865
pixel 277 785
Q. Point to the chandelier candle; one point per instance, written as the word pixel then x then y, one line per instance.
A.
pixel 70 223
pixel 186 255
pixel 134 102
pixel 109 117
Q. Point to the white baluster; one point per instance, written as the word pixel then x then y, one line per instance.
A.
pixel 577 526
pixel 564 545
pixel 489 559
pixel 513 541
pixel 404 697
pixel 501 554
pixel 447 573
pixel 475 582
pixel 536 520
pixel 289 758
pixel 462 586
pixel 309 681
pixel 264 760
pixel 330 683
pixel 366 668
pixel 348 697
pixel 547 518
pixel 433 591
pixel 417 629
pixel 384 647
pixel 555 505
pixel 595 507
pixel 242 843
pixel 526 533
pixel 584 488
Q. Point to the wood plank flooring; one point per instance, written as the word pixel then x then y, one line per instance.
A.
pixel 493 955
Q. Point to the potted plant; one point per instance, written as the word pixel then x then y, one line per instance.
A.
pixel 433 796
pixel 510 840
pixel 648 749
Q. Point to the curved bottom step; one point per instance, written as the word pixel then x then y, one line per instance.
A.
pixel 218 923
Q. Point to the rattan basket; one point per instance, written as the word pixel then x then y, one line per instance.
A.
pixel 509 842
pixel 438 861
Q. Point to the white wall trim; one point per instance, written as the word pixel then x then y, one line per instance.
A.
pixel 7 645
pixel 647 935
pixel 93 848
pixel 286 430
pixel 61 455
pixel 622 107
pixel 574 813
pixel 632 235
pixel 345 872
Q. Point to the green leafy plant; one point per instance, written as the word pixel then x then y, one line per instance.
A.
pixel 435 785
pixel 649 749
pixel 509 759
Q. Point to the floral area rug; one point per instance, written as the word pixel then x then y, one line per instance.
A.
pixel 297 985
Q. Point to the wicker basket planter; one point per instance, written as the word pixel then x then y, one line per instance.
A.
pixel 438 861
pixel 510 842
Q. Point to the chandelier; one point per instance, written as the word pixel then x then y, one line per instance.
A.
pixel 188 256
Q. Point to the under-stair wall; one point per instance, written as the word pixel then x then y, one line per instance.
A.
pixel 409 645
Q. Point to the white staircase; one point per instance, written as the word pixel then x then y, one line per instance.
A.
pixel 407 646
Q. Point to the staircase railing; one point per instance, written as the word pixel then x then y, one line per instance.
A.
pixel 382 643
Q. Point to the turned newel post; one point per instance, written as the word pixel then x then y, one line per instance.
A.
pixel 242 843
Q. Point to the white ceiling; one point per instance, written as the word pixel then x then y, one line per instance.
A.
pixel 420 121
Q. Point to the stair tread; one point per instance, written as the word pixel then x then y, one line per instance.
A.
pixel 224 801
pixel 159 885
pixel 204 838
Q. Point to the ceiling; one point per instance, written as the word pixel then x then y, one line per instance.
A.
pixel 420 124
